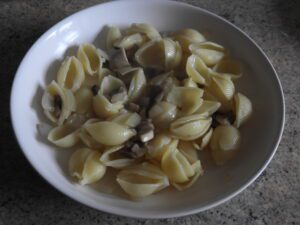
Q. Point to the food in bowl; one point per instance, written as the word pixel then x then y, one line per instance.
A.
pixel 145 107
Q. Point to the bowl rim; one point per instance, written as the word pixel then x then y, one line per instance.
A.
pixel 132 214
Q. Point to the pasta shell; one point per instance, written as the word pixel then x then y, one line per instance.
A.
pixel 129 119
pixel 222 88
pixel 113 35
pixel 84 165
pixel 208 108
pixel 86 138
pixel 142 180
pixel 190 127
pixel 186 37
pixel 162 114
pixel 129 41
pixel 159 145
pixel 188 150
pixel 243 109
pixel 109 132
pixel 112 157
pixel 145 29
pixel 58 103
pixel 198 171
pixel 210 52
pixel 229 67
pixel 204 141
pixel 224 143
pixel 71 74
pixel 173 53
pixel 64 136
pixel 197 70
pixel 188 82
pixel 187 98
pixel 110 98
pixel 137 85
pixel 176 166
pixel 91 58
pixel 84 101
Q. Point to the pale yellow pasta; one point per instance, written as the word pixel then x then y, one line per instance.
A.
pixel 58 103
pixel 71 74
pixel 113 35
pixel 224 143
pixel 211 53
pixel 109 132
pixel 162 114
pixel 142 180
pixel 186 37
pixel 145 29
pixel 84 101
pixel 202 143
pixel 229 67
pixel 85 166
pixel 112 157
pixel 190 127
pixel 243 109
pixel 187 98
pixel 137 85
pixel 128 118
pixel 129 41
pixel 208 107
pixel 173 53
pixel 86 138
pixel 91 58
pixel 64 136
pixel 197 70
pixel 188 150
pixel 188 82
pixel 159 145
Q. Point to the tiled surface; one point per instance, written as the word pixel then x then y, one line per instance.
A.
pixel 25 198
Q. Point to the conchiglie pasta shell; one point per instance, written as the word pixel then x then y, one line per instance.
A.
pixel 113 35
pixel 84 165
pixel 110 133
pixel 229 67
pixel 64 136
pixel 187 98
pixel 142 180
pixel 224 143
pixel 188 82
pixel 188 150
pixel 173 53
pixel 208 108
pixel 137 85
pixel 243 109
pixel 176 166
pixel 71 74
pixel 190 127
pixel 145 29
pixel 197 70
pixel 186 37
pixel 159 145
pixel 128 118
pixel 129 41
pixel 84 101
pixel 162 114
pixel 86 138
pixel 91 58
pixel 112 157
pixel 204 141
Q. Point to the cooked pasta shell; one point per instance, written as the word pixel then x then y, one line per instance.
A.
pixel 210 52
pixel 109 132
pixel 188 82
pixel 198 171
pixel 86 138
pixel 58 103
pixel 159 145
pixel 190 127
pixel 129 41
pixel 91 58
pixel 64 136
pixel 145 29
pixel 208 108
pixel 71 74
pixel 187 98
pixel 176 166
pixel 113 35
pixel 229 67
pixel 113 157
pixel 204 141
pixel 137 85
pixel 186 37
pixel 224 143
pixel 162 114
pixel 85 166
pixel 173 53
pixel 243 109
pixel 110 98
pixel 197 70
pixel 188 150
pixel 142 180
pixel 84 101
pixel 222 88
pixel 128 118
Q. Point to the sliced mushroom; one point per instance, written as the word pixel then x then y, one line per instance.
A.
pixel 132 107
pixel 119 59
pixel 145 130
pixel 134 149
pixel 222 119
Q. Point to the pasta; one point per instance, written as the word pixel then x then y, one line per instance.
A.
pixel 145 107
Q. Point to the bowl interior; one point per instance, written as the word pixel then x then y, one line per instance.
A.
pixel 260 135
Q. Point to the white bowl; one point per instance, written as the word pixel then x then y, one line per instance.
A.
pixel 260 136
